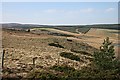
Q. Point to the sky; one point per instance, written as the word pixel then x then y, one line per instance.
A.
pixel 60 0
pixel 60 12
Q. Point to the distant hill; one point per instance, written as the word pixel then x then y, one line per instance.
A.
pixel 17 25
pixel 105 26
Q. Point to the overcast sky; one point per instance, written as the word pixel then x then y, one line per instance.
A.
pixel 60 12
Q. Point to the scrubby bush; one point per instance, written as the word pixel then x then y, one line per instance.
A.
pixel 42 75
pixel 56 45
pixel 63 68
pixel 93 72
pixel 28 30
pixel 60 34
pixel 70 56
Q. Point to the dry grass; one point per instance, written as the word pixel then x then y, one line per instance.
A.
pixel 22 47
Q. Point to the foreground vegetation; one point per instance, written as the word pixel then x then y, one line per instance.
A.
pixel 70 56
pixel 104 66
pixel 47 50
pixel 69 73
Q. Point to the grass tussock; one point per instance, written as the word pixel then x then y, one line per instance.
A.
pixel 56 45
pixel 81 52
pixel 70 56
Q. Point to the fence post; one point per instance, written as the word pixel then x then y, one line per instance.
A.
pixel 34 61
pixel 3 58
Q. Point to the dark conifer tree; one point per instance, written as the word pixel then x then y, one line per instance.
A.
pixel 104 59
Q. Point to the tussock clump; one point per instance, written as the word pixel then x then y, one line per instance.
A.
pixel 64 68
pixel 81 52
pixel 56 45
pixel 70 56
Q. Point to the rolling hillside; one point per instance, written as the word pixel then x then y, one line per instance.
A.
pixel 51 46
pixel 21 47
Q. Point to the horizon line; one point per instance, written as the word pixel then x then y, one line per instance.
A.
pixel 54 24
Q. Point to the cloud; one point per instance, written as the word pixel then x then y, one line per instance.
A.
pixel 110 10
pixel 50 11
pixel 88 10
pixel 53 11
